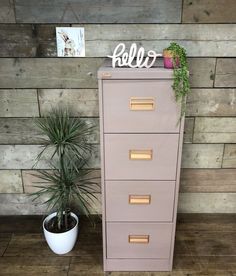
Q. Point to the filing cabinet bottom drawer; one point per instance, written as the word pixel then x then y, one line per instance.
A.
pixel 139 200
pixel 138 265
pixel 139 240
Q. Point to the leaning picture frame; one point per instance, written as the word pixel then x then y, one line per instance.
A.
pixel 70 42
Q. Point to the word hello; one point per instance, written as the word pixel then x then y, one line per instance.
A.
pixel 135 58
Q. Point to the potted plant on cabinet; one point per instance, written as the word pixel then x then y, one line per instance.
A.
pixel 68 181
pixel 175 58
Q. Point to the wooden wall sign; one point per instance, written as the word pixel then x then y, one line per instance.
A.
pixel 134 58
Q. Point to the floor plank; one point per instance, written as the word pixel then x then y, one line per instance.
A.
pixel 34 265
pixel 206 222
pixel 205 246
pixel 4 241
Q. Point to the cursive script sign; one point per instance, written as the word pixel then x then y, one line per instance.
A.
pixel 135 58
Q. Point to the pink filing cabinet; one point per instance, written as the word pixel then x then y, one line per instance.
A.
pixel 141 146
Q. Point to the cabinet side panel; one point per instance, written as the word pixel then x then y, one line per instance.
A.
pixel 178 166
pixel 100 87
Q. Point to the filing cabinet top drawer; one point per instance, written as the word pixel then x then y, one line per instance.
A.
pixel 107 72
pixel 133 106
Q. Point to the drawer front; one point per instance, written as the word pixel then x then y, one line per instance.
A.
pixel 138 240
pixel 133 106
pixel 140 156
pixel 139 200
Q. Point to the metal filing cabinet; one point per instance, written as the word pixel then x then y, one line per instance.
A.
pixel 141 145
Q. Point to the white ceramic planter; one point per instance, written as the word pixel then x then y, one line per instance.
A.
pixel 61 243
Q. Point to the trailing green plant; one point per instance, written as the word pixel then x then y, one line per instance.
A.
pixel 66 142
pixel 181 84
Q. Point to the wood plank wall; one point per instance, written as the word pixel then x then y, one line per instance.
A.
pixel 33 79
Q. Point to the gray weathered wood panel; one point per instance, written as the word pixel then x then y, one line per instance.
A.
pixel 96 11
pixel 80 102
pixel 24 156
pixel 24 131
pixel 188 130
pixel 211 11
pixel 202 72
pixel 18 103
pixel 199 40
pixel 19 131
pixel 22 204
pixel 78 73
pixel 215 130
pixel 225 72
pixel 205 40
pixel 10 181
pixel 7 11
pixel 207 203
pixel 202 155
pixel 211 102
pixel 49 73
pixel 208 181
pixel 229 159
pixel 17 40
pixel 30 180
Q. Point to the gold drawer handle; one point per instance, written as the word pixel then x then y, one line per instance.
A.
pixel 139 239
pixel 139 199
pixel 140 154
pixel 142 104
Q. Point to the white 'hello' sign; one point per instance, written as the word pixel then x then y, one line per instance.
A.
pixel 135 58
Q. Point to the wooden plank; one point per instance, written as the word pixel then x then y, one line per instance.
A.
pixel 202 155
pixel 17 41
pixel 199 40
pixel 24 131
pixel 10 181
pixel 215 130
pixel 30 180
pixel 18 103
pixel 7 14
pixel 23 204
pixel 35 265
pixel 206 222
pixel 188 130
pixel 210 243
pixel 218 265
pixel 24 156
pixel 78 11
pixel 202 72
pixel 21 224
pixel 78 73
pixel 207 203
pixel 80 102
pixel 19 131
pixel 4 241
pixel 24 40
pixel 49 73
pixel 229 158
pixel 211 102
pixel 211 11
pixel 208 180
pixel 87 265
pixel 225 72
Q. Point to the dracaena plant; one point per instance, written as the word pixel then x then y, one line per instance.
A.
pixel 66 139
